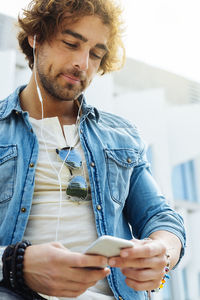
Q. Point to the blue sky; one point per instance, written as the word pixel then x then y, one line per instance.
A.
pixel 163 33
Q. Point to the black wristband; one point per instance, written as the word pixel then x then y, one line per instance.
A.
pixel 17 265
pixel 6 259
pixel 13 278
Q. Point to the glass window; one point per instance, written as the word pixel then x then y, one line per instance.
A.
pixel 184 182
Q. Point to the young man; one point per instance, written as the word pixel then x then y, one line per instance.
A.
pixel 70 173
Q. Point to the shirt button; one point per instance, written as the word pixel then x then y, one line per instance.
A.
pixel 120 298
pixel 129 160
pixel 92 164
pixel 31 165
pixel 81 131
pixel 17 112
pixel 23 209
pixel 99 207
pixel 31 130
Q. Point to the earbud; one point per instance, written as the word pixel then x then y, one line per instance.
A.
pixel 34 42
pixel 34 46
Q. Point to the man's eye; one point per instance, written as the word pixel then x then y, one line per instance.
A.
pixel 96 56
pixel 70 44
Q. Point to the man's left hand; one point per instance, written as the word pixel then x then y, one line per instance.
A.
pixel 143 264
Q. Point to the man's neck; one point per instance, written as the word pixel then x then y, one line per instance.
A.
pixel 66 111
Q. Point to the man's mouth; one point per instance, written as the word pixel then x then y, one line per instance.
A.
pixel 71 79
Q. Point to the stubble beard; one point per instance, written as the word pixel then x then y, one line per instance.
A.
pixel 67 92
pixel 58 91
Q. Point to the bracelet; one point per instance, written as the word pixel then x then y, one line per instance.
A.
pixel 6 259
pixel 13 265
pixel 13 277
pixel 17 279
pixel 166 276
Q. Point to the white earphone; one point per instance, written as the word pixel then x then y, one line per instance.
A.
pixel 34 42
pixel 43 138
pixel 38 89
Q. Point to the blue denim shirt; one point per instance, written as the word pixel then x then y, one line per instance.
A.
pixel 126 200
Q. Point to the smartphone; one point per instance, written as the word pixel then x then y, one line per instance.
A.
pixel 108 246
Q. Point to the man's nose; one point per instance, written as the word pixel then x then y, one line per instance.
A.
pixel 81 60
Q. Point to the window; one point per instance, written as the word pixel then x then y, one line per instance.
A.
pixel 184 182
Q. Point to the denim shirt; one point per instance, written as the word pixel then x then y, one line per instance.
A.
pixel 126 200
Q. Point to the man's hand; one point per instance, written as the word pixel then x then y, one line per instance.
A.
pixel 144 263
pixel 53 270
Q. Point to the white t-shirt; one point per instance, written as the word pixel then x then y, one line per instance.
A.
pixel 54 215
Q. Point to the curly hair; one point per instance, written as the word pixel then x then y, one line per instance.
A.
pixel 44 18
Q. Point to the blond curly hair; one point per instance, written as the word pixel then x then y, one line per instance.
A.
pixel 44 18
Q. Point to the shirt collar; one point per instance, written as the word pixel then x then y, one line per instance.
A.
pixel 87 110
pixel 12 103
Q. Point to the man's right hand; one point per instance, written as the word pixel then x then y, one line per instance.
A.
pixel 53 270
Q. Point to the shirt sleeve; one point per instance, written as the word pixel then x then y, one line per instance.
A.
pixel 147 209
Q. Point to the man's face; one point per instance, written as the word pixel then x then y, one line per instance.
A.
pixel 67 64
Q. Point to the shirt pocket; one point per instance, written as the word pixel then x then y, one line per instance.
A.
pixel 8 155
pixel 120 164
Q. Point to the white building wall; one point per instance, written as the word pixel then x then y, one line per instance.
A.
pixel 22 76
pixel 7 72
pixel 100 92
pixel 183 132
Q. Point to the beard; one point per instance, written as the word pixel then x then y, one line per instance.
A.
pixel 61 91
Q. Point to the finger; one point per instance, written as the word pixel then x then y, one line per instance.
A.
pixel 70 288
pixel 86 276
pixel 143 274
pixel 65 258
pixel 139 263
pixel 147 248
pixel 142 286
pixel 82 260
pixel 74 279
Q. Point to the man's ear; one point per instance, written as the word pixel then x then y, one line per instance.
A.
pixel 31 40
